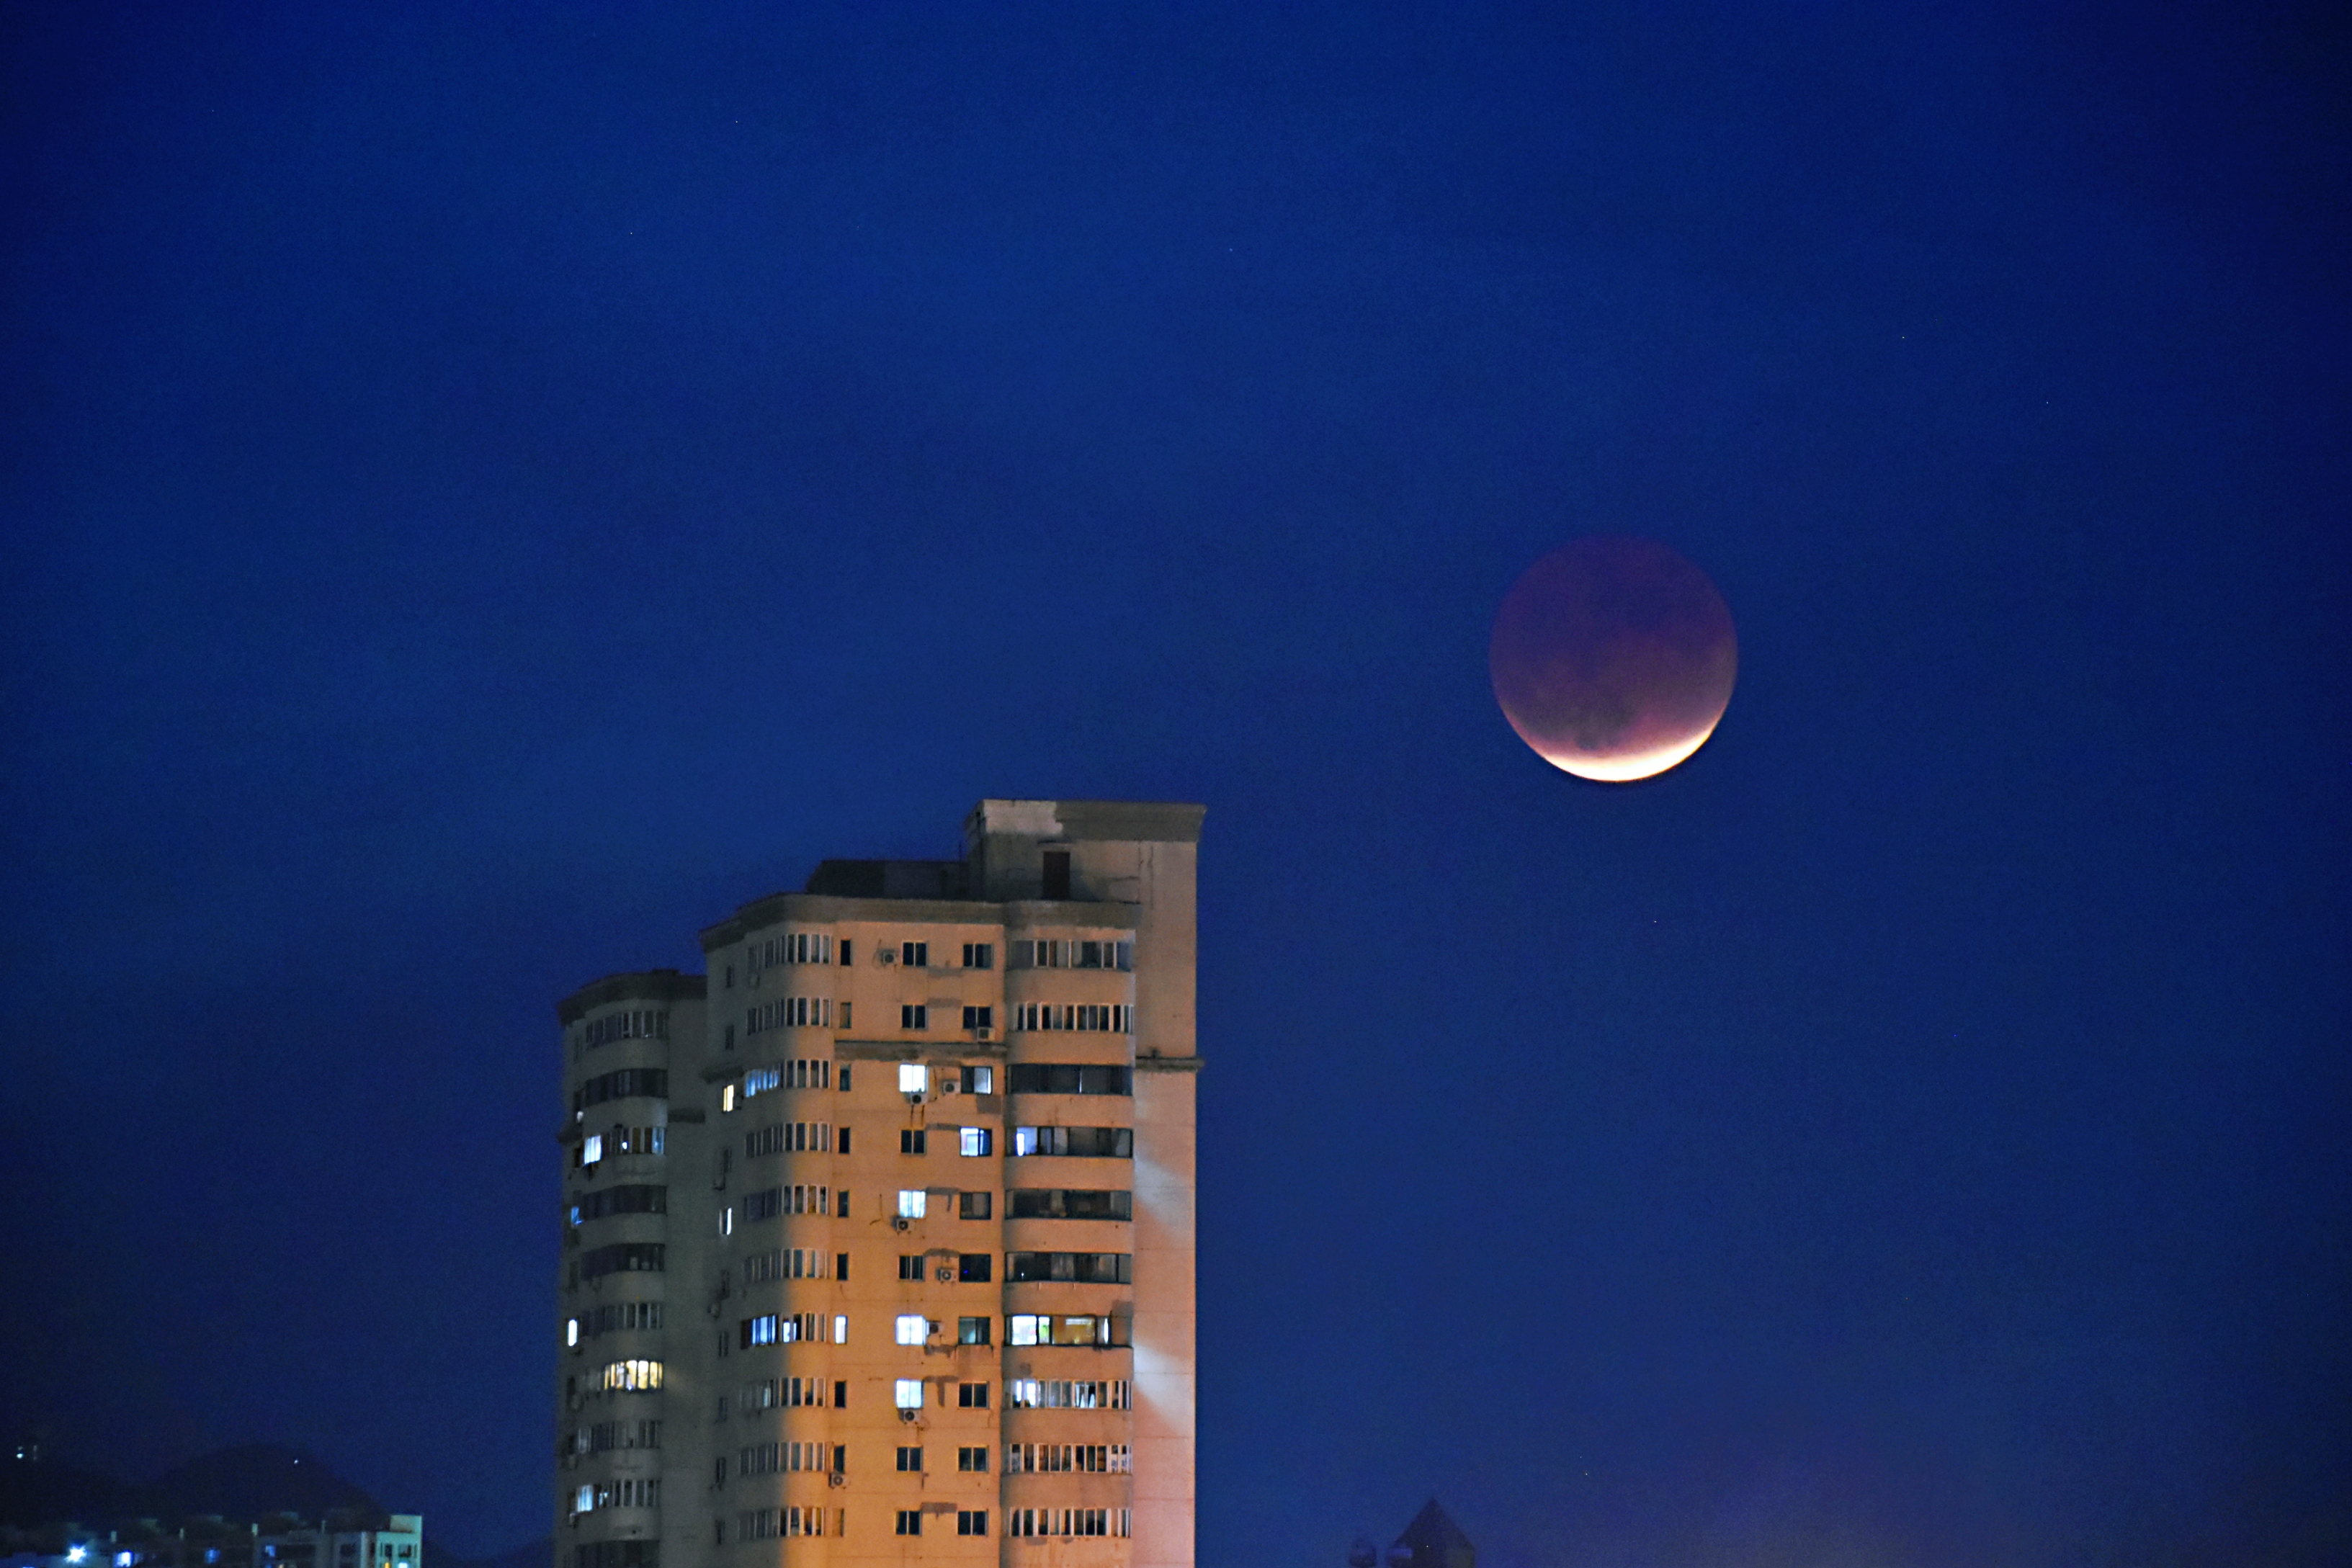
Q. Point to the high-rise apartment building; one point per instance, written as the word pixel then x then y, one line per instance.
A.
pixel 878 1235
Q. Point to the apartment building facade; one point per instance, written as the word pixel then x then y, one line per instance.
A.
pixel 878 1235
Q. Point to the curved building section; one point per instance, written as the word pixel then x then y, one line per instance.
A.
pixel 912 1247
pixel 625 1040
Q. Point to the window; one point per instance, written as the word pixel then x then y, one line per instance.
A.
pixel 972 1397
pixel 911 1202
pixel 1065 1522
pixel 915 955
pixel 1031 1394
pixel 790 1012
pixel 975 1205
pixel 1070 1078
pixel 613 1317
pixel 972 1331
pixel 910 1521
pixel 910 1460
pixel 626 1257
pixel 783 1328
pixel 1067 1458
pixel 912 1079
pixel 972 1520
pixel 845 963
pixel 914 1014
pixel 633 1025
pixel 629 1082
pixel 1095 1143
pixel 906 1393
pixel 841 1134
pixel 1079 1329
pixel 972 1268
pixel 789 1138
pixel 1057 873
pixel 912 1327
pixel 911 1140
pixel 1086 1268
pixel 592 1149
pixel 972 1143
pixel 910 1266
pixel 1063 1204
pixel 980 1080
pixel 764 1205
pixel 979 1018
pixel 629 1376
pixel 1065 955
pixel 980 956
pixel 1114 1019
pixel 971 1461
pixel 620 1200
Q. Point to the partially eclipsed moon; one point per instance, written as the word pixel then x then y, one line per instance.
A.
pixel 1613 658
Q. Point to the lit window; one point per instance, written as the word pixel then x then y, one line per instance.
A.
pixel 972 1141
pixel 1021 1328
pixel 571 1330
pixel 592 1149
pixel 910 1203
pixel 840 1336
pixel 912 1328
pixel 980 1080
pixel 911 1079
pixel 906 1393
pixel 726 1097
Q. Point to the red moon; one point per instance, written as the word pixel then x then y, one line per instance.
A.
pixel 1613 658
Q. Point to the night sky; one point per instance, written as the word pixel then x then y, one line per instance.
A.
pixel 488 489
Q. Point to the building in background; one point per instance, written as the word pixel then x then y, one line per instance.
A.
pixel 1431 1541
pixel 878 1236
pixel 341 1540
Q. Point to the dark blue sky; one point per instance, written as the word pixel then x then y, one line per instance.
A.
pixel 490 488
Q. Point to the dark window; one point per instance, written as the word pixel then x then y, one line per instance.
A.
pixel 1064 1204
pixel 629 1082
pixel 620 1200
pixel 915 955
pixel 841 1134
pixel 911 1459
pixel 910 1521
pixel 910 1266
pixel 628 1256
pixel 972 1268
pixel 840 1402
pixel 1095 1143
pixel 972 1521
pixel 974 1331
pixel 1070 1078
pixel 914 1014
pixel 845 952
pixel 972 1397
pixel 973 1461
pixel 979 1018
pixel 1057 873
pixel 911 1140
pixel 975 1205
pixel 1083 1268
pixel 978 956
pixel 764 1205
pixel 841 1265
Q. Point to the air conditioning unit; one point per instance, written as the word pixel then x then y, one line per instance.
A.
pixel 944 1276
pixel 908 1414
pixel 837 1480
pixel 915 1097
pixel 983 1032
pixel 886 956
pixel 899 1223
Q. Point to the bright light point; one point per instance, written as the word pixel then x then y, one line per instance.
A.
pixel 75 1553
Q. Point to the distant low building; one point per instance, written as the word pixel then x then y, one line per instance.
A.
pixel 349 1540
pixel 1431 1541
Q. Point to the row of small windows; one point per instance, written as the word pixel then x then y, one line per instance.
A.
pixel 618 1554
pixel 792 947
pixel 1117 1018
pixel 1076 1142
pixel 1057 1203
pixel 968 1521
pixel 913 1078
pixel 787 1459
pixel 607 1436
pixel 971 1143
pixel 1046 953
pixel 1066 1522
pixel 1086 1268
pixel 1069 1078
pixel 970 1268
pixel 625 1199
pixel 794 1264
pixel 788 1394
pixel 653 1082
pixel 793 1328
pixel 622 1257
pixel 782 1200
pixel 614 1317
pixel 789 1138
pixel 1068 1458
pixel 634 1025
pixel 917 955
pixel 631 1376
pixel 1045 1328
pixel 625 1493
pixel 794 1012
pixel 768 1524
pixel 620 1140
pixel 802 1073
pixel 1058 1394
